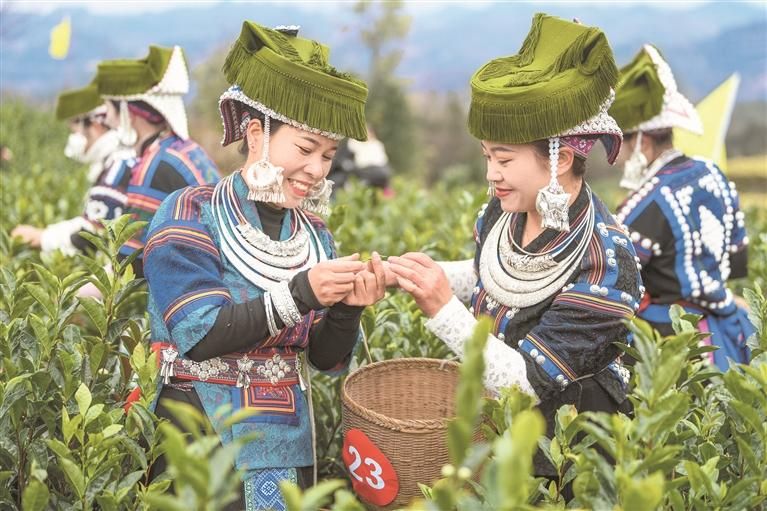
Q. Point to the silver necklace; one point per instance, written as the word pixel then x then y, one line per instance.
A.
pixel 519 258
pixel 522 285
pixel 262 268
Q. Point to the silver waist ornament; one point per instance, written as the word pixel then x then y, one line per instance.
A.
pixel 522 280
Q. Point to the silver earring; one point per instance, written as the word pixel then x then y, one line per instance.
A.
pixel 318 200
pixel 491 189
pixel 125 132
pixel 552 202
pixel 635 167
pixel 264 180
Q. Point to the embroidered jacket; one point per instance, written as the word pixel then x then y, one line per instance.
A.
pixel 166 165
pixel 189 280
pixel 688 230
pixel 570 335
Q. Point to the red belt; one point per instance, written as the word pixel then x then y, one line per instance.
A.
pixel 253 368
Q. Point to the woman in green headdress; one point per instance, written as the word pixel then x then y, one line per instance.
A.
pixel 552 269
pixel 244 286
pixel 146 109
pixel 91 142
pixel 682 212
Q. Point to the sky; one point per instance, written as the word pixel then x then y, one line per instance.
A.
pixel 137 6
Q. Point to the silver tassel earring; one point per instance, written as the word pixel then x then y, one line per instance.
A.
pixel 126 135
pixel 318 200
pixel 635 167
pixel 491 189
pixel 552 202
pixel 264 180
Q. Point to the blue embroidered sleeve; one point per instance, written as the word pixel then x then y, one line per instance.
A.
pixel 182 265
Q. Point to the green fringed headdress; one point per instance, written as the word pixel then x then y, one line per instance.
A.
pixel 289 78
pixel 561 78
pixel 125 77
pixel 160 79
pixel 647 98
pixel 78 102
pixel 639 96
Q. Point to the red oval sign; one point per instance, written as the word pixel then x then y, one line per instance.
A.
pixel 373 477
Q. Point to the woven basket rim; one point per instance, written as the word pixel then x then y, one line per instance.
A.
pixel 404 425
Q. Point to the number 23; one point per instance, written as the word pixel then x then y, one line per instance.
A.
pixel 375 469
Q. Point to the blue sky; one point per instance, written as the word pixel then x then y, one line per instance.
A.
pixel 136 6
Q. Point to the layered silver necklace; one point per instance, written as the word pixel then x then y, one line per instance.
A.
pixel 263 261
pixel 517 278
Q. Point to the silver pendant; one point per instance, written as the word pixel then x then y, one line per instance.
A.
pixel 553 206
pixel 528 264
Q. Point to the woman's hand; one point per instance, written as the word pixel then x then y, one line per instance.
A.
pixel 423 278
pixel 332 280
pixel 28 234
pixel 390 276
pixel 369 285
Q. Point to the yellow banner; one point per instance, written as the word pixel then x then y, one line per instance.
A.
pixel 60 36
pixel 715 111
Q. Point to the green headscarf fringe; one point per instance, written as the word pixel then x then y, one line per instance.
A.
pixel 311 104
pixel 525 122
pixel 517 117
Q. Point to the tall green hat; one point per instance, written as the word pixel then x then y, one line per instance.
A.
pixel 160 79
pixel 290 79
pixel 647 97
pixel 81 102
pixel 559 84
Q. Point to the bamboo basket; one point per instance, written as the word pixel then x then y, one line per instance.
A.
pixel 404 406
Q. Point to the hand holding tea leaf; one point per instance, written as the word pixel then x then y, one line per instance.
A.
pixel 422 277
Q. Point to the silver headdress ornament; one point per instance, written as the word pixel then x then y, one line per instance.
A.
pixel 125 131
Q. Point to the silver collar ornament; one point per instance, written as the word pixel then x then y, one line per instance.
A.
pixel 260 260
pixel 552 202
pixel 521 279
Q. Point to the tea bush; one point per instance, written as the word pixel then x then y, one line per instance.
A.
pixel 696 440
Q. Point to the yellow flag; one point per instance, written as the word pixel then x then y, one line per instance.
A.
pixel 715 111
pixel 60 35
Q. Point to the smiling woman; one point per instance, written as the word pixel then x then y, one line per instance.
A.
pixel 244 286
pixel 552 269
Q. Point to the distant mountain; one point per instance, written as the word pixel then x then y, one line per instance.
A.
pixel 704 43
